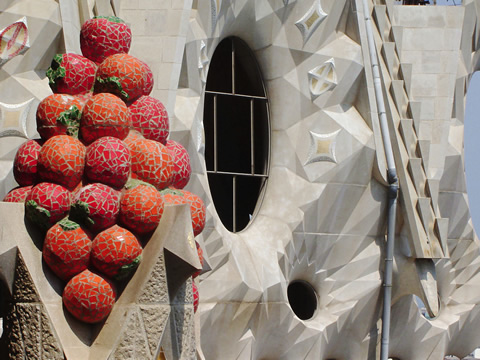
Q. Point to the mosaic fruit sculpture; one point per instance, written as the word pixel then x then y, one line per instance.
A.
pixel 62 160
pixel 149 82
pixel 104 115
pixel 46 204
pixel 71 74
pixel 19 194
pixel 141 208
pixel 151 162
pixel 25 163
pixel 89 297
pixel 96 206
pixel 197 207
pixel 200 257
pixel 58 114
pixel 195 296
pixel 132 136
pixel 150 118
pixel 108 161
pixel 103 36
pixel 122 75
pixel 181 165
pixel 66 249
pixel 116 252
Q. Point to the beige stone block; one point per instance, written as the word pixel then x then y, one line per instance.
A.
pixel 425 39
pixel 424 85
pixel 129 5
pixel 154 4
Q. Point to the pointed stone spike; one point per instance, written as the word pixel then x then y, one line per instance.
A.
pixel 388 53
pixel 380 17
pixel 406 75
pixel 432 189
pixel 417 174
pixel 409 137
pixel 441 228
pixel 425 211
pixel 414 108
pixel 398 35
pixel 424 151
pixel 399 96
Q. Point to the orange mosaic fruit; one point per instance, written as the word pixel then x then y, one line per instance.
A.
pixel 96 206
pixel 103 36
pixel 149 82
pixel 116 252
pixel 89 297
pixel 66 249
pixel 200 257
pixel 46 204
pixel 104 115
pixel 173 196
pixel 61 160
pixel 132 136
pixel 122 75
pixel 19 194
pixel 108 161
pixel 141 208
pixel 25 163
pixel 58 114
pixel 150 118
pixel 181 165
pixel 71 74
pixel 151 162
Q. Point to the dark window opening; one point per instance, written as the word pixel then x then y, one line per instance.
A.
pixel 302 299
pixel 237 133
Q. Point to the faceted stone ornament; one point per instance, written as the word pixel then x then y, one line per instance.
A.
pixel 19 194
pixel 71 74
pixel 14 40
pixel 116 252
pixel 108 161
pixel 181 165
pixel 103 36
pixel 196 298
pixel 25 163
pixel 173 196
pixel 89 297
pixel 61 160
pixel 122 75
pixel 141 208
pixel 150 118
pixel 104 115
pixel 46 204
pixel 66 249
pixel 96 206
pixel 58 114
pixel 151 162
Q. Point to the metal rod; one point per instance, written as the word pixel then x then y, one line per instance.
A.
pixel 215 159
pixel 234 184
pixel 237 173
pixel 252 139
pixel 236 95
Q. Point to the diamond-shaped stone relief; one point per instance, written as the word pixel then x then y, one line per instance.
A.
pixel 14 117
pixel 14 40
pixel 322 78
pixel 311 20
pixel 322 147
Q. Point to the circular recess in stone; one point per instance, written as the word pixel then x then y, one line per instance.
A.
pixel 302 299
pixel 237 133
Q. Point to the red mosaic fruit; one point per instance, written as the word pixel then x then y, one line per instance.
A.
pixel 103 36
pixel 132 136
pixel 181 165
pixel 151 162
pixel 46 204
pixel 173 196
pixel 61 160
pixel 96 206
pixel 116 252
pixel 58 114
pixel 108 161
pixel 150 118
pixel 89 297
pixel 200 257
pixel 71 74
pixel 19 194
pixel 104 115
pixel 141 208
pixel 147 89
pixel 66 249
pixel 196 299
pixel 122 75
pixel 25 163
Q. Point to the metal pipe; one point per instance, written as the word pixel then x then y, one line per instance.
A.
pixel 393 185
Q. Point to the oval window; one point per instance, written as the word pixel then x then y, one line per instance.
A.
pixel 237 133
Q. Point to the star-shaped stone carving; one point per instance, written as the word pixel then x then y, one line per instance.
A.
pixel 14 40
pixel 322 78
pixel 203 61
pixel 311 20
pixel 322 147
pixel 14 117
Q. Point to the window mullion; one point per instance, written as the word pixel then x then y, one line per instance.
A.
pixel 252 139
pixel 234 202
pixel 215 158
